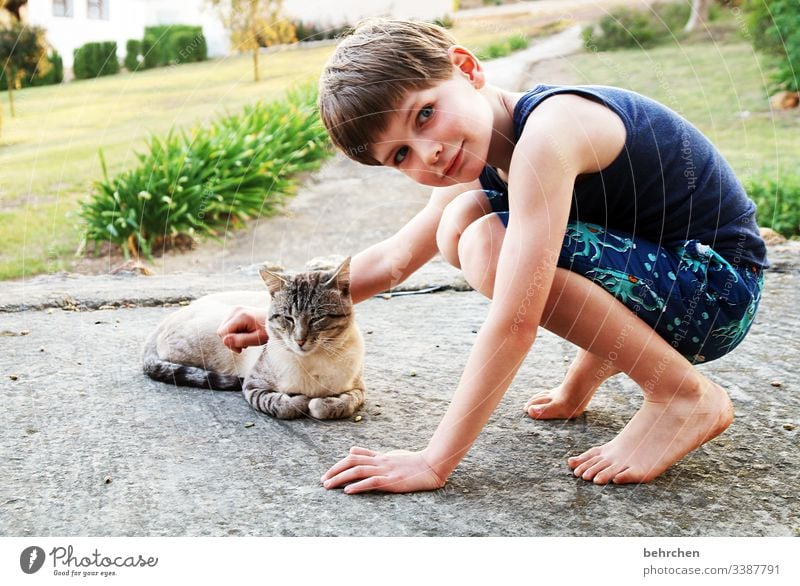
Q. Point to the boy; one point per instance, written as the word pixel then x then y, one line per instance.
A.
pixel 591 211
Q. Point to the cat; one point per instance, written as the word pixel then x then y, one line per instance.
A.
pixel 311 365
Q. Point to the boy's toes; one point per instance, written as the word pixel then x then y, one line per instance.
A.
pixel 609 474
pixel 576 461
pixel 581 469
pixel 599 465
pixel 541 399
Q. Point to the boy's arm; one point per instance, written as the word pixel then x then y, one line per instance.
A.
pixel 552 151
pixel 390 262
pixel 378 268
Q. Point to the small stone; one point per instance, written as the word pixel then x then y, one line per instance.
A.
pixel 24 332
pixel 107 480
pixel 13 376
pixel 50 311
pixel 566 358
pixel 41 349
pixel 369 331
pixel 358 418
pixel 412 373
pixel 249 424
pixel 789 427
pixel 377 404
pixel 776 383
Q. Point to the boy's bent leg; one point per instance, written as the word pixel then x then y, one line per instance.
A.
pixel 682 409
pixel 478 249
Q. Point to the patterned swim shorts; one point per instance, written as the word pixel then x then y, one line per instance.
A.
pixel 691 296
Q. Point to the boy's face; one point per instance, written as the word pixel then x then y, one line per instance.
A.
pixel 439 136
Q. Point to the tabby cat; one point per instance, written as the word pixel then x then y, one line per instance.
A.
pixel 311 365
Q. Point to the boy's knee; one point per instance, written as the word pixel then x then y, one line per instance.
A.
pixel 478 250
pixel 457 216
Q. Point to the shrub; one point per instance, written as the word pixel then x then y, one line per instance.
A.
pixel 777 202
pixel 629 28
pixel 240 167
pixel 503 48
pixel 95 59
pixel 168 44
pixel 133 49
pixel 189 47
pixel 151 54
pixel 309 31
pixel 774 29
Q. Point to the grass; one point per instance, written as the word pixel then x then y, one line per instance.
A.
pixel 722 88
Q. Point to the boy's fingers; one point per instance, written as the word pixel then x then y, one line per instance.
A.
pixel 351 475
pixel 371 483
pixel 355 450
pixel 342 465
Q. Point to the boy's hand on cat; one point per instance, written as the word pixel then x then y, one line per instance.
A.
pixel 395 471
pixel 245 326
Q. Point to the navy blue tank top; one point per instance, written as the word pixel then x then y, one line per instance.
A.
pixel 668 185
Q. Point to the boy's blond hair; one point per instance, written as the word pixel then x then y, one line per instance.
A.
pixel 370 74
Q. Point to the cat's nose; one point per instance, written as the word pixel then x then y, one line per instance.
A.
pixel 301 343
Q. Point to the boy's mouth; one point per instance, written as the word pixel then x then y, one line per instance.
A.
pixel 455 162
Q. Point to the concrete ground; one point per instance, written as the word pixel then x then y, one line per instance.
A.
pixel 90 446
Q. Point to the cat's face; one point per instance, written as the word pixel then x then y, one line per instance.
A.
pixel 309 310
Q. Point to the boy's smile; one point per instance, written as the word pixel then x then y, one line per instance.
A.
pixel 440 136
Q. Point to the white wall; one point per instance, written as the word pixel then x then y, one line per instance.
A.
pixel 127 19
pixel 349 11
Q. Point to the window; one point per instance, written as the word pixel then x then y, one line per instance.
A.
pixel 97 9
pixel 62 8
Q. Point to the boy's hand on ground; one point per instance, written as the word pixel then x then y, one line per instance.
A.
pixel 244 327
pixel 395 471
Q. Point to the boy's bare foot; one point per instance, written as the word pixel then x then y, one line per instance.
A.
pixel 571 397
pixel 563 402
pixel 657 436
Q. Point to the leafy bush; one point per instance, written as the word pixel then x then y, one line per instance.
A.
pixel 174 43
pixel 95 59
pixel 189 47
pixel 151 54
pixel 133 49
pixel 38 76
pixel 777 202
pixel 309 31
pixel 502 48
pixel 240 167
pixel 23 52
pixel 774 29
pixel 630 28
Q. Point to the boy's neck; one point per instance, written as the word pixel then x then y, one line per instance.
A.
pixel 501 146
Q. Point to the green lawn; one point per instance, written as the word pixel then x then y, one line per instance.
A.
pixel 720 87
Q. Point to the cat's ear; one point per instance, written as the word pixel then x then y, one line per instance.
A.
pixel 274 281
pixel 341 277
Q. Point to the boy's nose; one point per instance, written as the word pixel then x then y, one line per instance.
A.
pixel 434 152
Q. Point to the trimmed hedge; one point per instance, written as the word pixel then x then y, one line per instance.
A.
pixel 95 59
pixel 172 44
pixel 199 182
pixel 133 49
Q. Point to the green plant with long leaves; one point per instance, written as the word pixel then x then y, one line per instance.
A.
pixel 199 182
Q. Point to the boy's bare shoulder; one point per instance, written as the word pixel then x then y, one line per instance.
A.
pixel 586 131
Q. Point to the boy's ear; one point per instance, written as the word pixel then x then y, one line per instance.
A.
pixel 468 64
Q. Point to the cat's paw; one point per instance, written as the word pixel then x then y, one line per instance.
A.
pixel 336 407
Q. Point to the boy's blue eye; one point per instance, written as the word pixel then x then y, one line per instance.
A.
pixel 400 155
pixel 425 113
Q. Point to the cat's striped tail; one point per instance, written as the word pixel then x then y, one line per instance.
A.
pixel 181 374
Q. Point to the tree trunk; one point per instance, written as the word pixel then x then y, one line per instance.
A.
pixel 10 95
pixel 699 16
pixel 255 65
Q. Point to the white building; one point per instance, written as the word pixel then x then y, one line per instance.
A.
pixel 72 23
